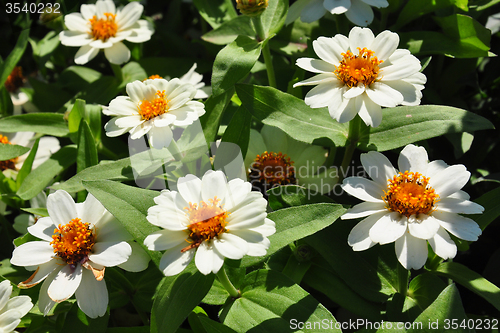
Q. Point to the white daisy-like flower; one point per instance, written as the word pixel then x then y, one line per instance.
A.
pixel 359 12
pixel 78 241
pixel 20 100
pixel 152 107
pixel 102 26
pixel 360 74
pixel 209 219
pixel 274 158
pixel 12 309
pixel 46 147
pixel 421 203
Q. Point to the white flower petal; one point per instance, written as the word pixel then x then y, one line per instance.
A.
pixel 61 207
pixel 378 167
pixel 110 254
pixel 208 259
pixel 9 320
pixel 413 159
pixel 141 32
pixel 22 304
pixel 377 3
pixel 359 237
pixel 65 283
pixel 174 261
pixel 411 251
pixel 443 245
pixel 160 137
pixel 411 95
pixel 43 229
pixel 74 38
pixel 137 91
pixel 405 68
pixel 385 44
pixel 450 180
pixel 88 11
pixel 213 184
pixel 117 54
pixel 237 190
pixel 315 65
pixel 323 94
pixel 319 79
pixel 189 188
pixel 462 227
pixel 363 189
pixel 388 228
pixel 349 111
pixel 100 44
pixel 112 130
pixel 313 11
pixel 459 206
pixel 369 111
pixel 364 209
pixel 165 239
pixel 331 49
pixel 45 304
pixel 121 106
pixel 138 260
pixel 104 6
pixel 360 13
pixel 231 246
pixel 109 229
pixel 425 227
pixel 354 91
pixel 32 254
pixel 435 167
pixel 5 292
pixel 128 15
pixel 92 295
pixel 384 95
pixel 295 10
pixel 360 38
pixel 41 273
pixel 76 22
pixel 85 54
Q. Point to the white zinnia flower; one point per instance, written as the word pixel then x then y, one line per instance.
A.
pixel 12 309
pixel 417 205
pixel 359 12
pixel 46 147
pixel 274 158
pixel 209 219
pixel 151 108
pixel 102 26
pixel 359 74
pixel 78 242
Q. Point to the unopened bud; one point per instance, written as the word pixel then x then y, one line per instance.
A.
pixel 251 7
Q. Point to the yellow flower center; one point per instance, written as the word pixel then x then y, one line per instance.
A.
pixel 150 109
pixel 8 164
pixel 271 169
pixel 361 68
pixel 73 242
pixel 155 76
pixel 206 222
pixel 408 193
pixel 103 28
pixel 15 80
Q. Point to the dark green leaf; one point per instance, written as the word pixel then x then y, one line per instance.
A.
pixel 9 151
pixel 132 72
pixel 238 130
pixel 216 12
pixel 416 8
pixel 74 118
pixel 45 123
pixel 214 106
pixel 37 211
pixel 75 78
pixel 27 164
pixel 228 31
pixel 48 97
pixel 14 56
pixel 6 106
pixel 274 16
pixel 87 150
pixel 212 326
pixel 292 115
pixel 101 91
pixel 77 322
pixel 491 206
pixel 292 195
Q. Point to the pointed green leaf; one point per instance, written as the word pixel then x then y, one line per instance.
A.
pixel 228 31
pixel 214 106
pixel 491 206
pixel 44 123
pixel 9 151
pixel 27 164
pixel 274 16
pixel 216 12
pixel 238 130
pixel 292 115
pixel 87 150
pixel 14 56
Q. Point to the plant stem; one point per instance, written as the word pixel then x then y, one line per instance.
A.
pixel 117 70
pixel 174 150
pixel 402 280
pixel 352 141
pixel 266 52
pixel 224 280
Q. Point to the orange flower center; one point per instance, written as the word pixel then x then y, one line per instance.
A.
pixel 361 68
pixel 408 193
pixel 103 28
pixel 206 222
pixel 150 109
pixel 7 164
pixel 15 80
pixel 271 169
pixel 154 76
pixel 73 242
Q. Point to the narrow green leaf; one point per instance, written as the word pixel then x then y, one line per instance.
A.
pixel 93 116
pixel 214 106
pixel 42 176
pixel 216 12
pixel 293 195
pixel 74 118
pixel 77 322
pixel 238 130
pixel 292 115
pixel 6 106
pixel 27 164
pixel 37 211
pixel 271 302
pixel 44 123
pixel 296 223
pixel 472 281
pixel 233 63
pixel 407 124
pixel 14 56
pixel 9 151
pixel 228 31
pixel 274 16
pixel 491 206
pixel 296 269
pixel 446 307
pixel 417 8
pixel 129 205
pixel 176 297
pixel 87 150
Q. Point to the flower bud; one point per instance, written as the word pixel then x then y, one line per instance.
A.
pixel 251 7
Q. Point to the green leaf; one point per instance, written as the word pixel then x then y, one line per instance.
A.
pixel 274 16
pixel 131 72
pixel 228 31
pixel 9 151
pixel 233 63
pixel 471 280
pixel 44 123
pixel 48 97
pixel 6 106
pixel 328 283
pixel 271 302
pixel 212 326
pixel 75 78
pixel 423 290
pixel 214 106
pixel 27 164
pixel 292 115
pixel 216 12
pixel 74 118
pixel 37 211
pixel 447 306
pixel 42 176
pixel 416 8
pixel 407 124
pixel 87 150
pixel 77 322
pixel 93 117
pixel 296 223
pixel 14 56
pixel 101 91
pixel 238 130
pixel 293 195
pixel 176 297
pixel 130 206
pixel 491 206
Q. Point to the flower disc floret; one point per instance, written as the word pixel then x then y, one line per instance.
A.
pixel 73 241
pixel 7 164
pixel 157 107
pixel 273 169
pixel 362 68
pixel 15 80
pixel 409 194
pixel 103 28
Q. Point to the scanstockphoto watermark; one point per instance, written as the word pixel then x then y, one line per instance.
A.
pixel 357 324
